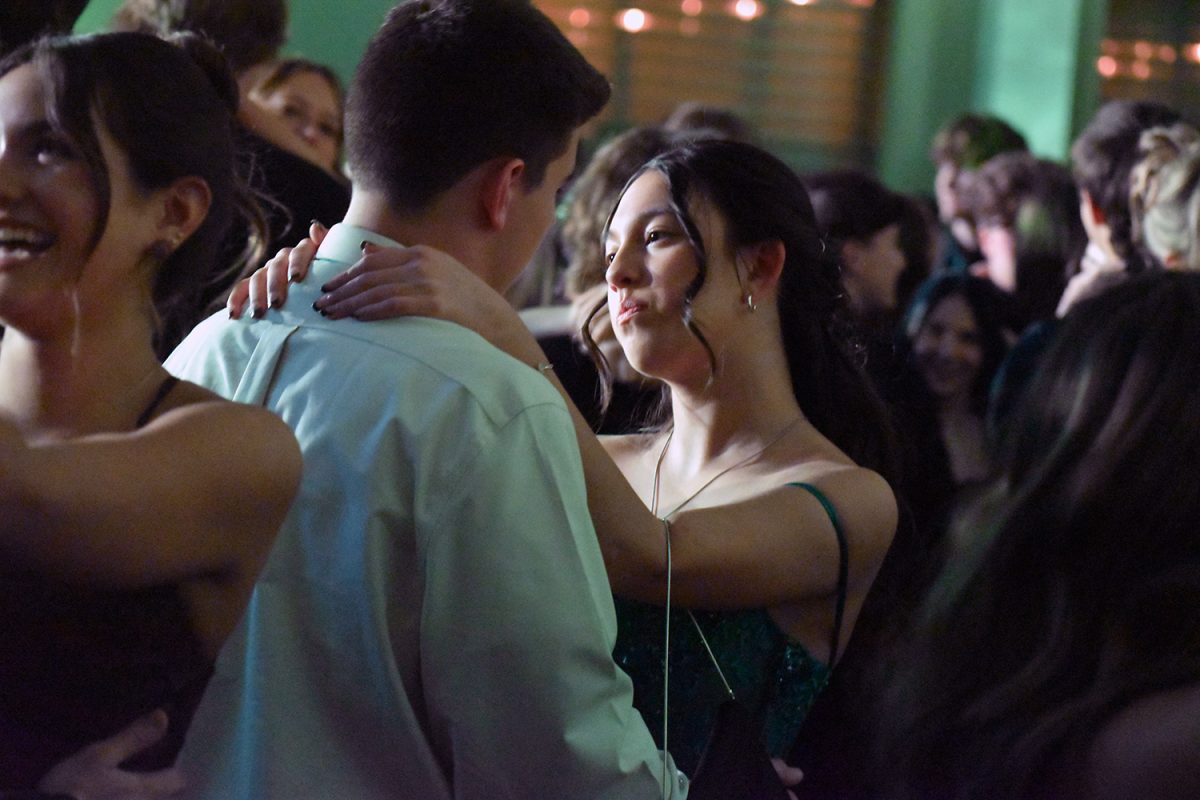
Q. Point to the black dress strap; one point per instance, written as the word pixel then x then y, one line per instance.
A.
pixel 843 567
pixel 164 389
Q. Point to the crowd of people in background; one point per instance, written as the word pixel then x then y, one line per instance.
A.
pixel 635 467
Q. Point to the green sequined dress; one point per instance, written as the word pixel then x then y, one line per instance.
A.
pixel 764 668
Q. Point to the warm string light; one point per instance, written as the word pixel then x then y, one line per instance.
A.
pixel 633 20
pixel 579 18
pixel 1141 59
pixel 747 10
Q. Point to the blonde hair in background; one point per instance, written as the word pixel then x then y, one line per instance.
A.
pixel 1164 197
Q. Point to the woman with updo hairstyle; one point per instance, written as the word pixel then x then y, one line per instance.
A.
pixel 1164 199
pixel 132 530
pixel 756 507
pixel 1058 655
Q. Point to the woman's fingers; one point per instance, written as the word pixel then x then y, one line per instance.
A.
pixel 257 305
pixel 238 296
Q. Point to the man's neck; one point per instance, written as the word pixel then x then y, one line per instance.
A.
pixel 443 229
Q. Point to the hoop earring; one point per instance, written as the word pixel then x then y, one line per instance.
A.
pixel 750 304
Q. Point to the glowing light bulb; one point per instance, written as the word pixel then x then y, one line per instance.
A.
pixel 579 18
pixel 633 20
pixel 747 10
pixel 1106 66
pixel 1141 70
pixel 691 8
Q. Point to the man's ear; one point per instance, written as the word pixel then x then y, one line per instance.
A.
pixel 764 264
pixel 502 179
pixel 185 205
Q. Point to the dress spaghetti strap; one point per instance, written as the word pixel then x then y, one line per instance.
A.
pixel 843 566
pixel 164 389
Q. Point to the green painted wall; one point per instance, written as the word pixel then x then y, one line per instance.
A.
pixel 329 32
pixel 1030 62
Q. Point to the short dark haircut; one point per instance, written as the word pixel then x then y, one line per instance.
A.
pixel 447 85
pixel 249 32
pixel 1103 157
pixel 971 139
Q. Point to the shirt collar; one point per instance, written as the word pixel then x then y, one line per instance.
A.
pixel 343 243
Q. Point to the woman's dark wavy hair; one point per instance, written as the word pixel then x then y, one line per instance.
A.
pixel 1075 590
pixel 762 200
pixel 989 306
pixel 169 106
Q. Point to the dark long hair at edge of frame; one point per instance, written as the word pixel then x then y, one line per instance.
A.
pixel 1078 572
pixel 170 107
pixel 762 199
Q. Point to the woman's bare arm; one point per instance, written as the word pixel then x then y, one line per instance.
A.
pixel 200 491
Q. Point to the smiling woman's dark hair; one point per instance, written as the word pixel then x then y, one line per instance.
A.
pixel 1074 593
pixel 762 200
pixel 169 107
pixel 988 306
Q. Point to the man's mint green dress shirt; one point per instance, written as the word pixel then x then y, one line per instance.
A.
pixel 434 620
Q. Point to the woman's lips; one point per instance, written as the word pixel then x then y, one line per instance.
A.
pixel 627 310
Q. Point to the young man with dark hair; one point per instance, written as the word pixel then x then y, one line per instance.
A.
pixel 1102 158
pixel 435 620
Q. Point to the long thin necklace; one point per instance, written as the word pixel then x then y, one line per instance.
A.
pixel 667 615
pixel 662 455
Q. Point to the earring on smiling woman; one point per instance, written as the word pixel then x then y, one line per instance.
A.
pixel 749 301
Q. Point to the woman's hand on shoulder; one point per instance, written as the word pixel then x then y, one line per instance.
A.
pixel 268 285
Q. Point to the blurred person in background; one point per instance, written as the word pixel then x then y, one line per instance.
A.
pixel 309 97
pixel 293 191
pixel 1102 158
pixel 1058 655
pixel 1165 198
pixel 1026 216
pixel 960 147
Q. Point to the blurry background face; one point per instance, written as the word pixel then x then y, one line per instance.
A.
pixel 873 268
pixel 947 349
pixel 999 247
pixel 311 107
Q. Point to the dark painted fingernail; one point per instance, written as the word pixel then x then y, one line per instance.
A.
pixel 363 245
pixel 276 302
pixel 324 313
pixel 315 306
pixel 325 288
pixel 259 313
